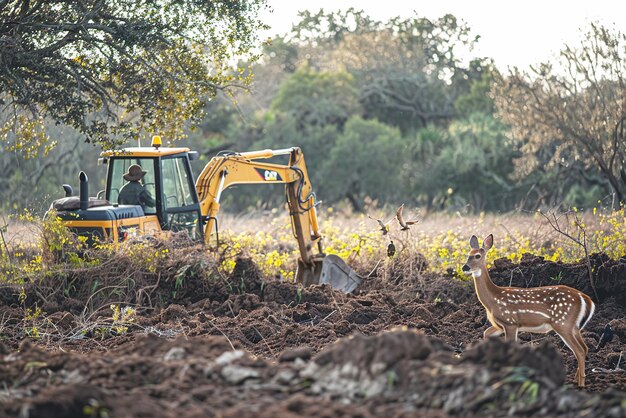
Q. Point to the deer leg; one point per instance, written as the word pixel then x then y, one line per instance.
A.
pixel 492 331
pixel 579 336
pixel 510 333
pixel 581 369
pixel 571 340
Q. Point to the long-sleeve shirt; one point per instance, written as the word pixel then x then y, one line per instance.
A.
pixel 134 193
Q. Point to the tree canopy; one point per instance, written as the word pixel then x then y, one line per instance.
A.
pixel 115 69
pixel 386 112
pixel 567 115
pixel 408 70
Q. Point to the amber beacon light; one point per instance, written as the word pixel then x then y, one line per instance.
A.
pixel 156 141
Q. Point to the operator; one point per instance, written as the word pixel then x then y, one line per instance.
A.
pixel 133 192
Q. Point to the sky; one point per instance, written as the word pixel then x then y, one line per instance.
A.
pixel 513 33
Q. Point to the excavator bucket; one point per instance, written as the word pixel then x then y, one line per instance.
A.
pixel 340 276
pixel 330 269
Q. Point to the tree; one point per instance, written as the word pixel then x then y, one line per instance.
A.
pixel 477 164
pixel 467 165
pixel 408 71
pixel 570 112
pixel 367 161
pixel 309 110
pixel 477 99
pixel 33 183
pixel 317 98
pixel 115 69
pixel 277 130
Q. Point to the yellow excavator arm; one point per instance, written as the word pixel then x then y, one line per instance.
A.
pixel 224 170
pixel 227 169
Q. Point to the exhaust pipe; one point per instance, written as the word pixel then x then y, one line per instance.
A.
pixel 84 191
pixel 68 190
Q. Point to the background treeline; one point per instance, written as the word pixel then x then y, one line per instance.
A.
pixel 401 112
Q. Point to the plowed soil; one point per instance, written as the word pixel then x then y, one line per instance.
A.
pixel 241 346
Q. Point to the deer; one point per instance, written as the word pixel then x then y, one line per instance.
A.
pixel 562 309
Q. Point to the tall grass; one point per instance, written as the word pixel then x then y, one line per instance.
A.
pixel 441 239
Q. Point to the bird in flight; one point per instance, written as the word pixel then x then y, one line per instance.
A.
pixel 384 226
pixel 404 224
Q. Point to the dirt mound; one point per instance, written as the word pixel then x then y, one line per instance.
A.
pixel 197 343
pixel 497 354
pixel 607 281
pixel 206 376
pixel 535 271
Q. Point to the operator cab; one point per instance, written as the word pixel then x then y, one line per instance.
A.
pixel 169 181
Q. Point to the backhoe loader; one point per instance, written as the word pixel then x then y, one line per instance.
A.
pixel 180 204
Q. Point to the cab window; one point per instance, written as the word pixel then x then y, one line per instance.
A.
pixel 120 167
pixel 176 184
pixel 182 212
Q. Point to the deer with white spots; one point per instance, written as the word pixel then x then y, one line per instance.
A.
pixel 538 309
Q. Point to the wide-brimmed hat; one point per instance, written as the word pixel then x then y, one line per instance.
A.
pixel 134 173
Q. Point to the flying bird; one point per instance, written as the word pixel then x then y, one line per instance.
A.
pixel 404 224
pixel 606 337
pixel 384 226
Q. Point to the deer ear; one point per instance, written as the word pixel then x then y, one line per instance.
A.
pixel 488 242
pixel 474 243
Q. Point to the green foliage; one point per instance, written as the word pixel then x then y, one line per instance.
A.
pixel 32 318
pixel 477 99
pixel 53 248
pixel 113 70
pixel 181 273
pixel 58 243
pixel 314 98
pixel 280 130
pixel 33 183
pixel 281 54
pixel 584 196
pixel 331 27
pixel 408 70
pixel 299 295
pixel 401 73
pixel 96 410
pixel 144 255
pixel 421 156
pixel 528 389
pixel 558 277
pixel 122 318
pixel 476 163
pixel 384 111
pixel 365 162
pixel 311 106
pixel 467 164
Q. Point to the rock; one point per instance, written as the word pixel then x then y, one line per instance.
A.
pixel 175 353
pixel 366 366
pixel 229 356
pixel 235 374
pixel 285 376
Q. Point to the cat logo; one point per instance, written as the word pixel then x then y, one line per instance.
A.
pixel 269 175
